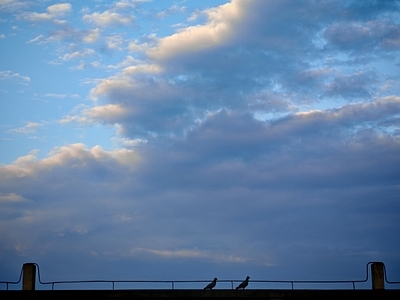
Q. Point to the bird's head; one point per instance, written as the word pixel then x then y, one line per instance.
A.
pixel 248 277
pixel 215 279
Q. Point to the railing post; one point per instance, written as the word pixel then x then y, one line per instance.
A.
pixel 378 276
pixel 29 277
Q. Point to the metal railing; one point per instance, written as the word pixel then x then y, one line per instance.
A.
pixel 172 283
pixel 7 283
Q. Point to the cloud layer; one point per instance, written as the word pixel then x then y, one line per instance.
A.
pixel 261 137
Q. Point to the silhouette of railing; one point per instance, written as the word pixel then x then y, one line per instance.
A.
pixel 7 283
pixel 174 282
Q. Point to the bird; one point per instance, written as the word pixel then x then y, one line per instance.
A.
pixel 211 284
pixel 243 284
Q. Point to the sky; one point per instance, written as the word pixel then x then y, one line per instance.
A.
pixel 187 140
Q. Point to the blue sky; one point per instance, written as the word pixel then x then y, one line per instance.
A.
pixel 173 140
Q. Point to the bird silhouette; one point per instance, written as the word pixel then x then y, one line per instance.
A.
pixel 243 284
pixel 211 284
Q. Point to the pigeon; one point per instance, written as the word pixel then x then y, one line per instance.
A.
pixel 211 284
pixel 243 284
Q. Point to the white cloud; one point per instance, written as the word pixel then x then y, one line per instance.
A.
pixel 193 253
pixel 124 4
pixel 67 33
pixel 37 39
pixel 175 8
pixel 9 75
pixel 61 96
pixel 107 18
pixel 110 84
pixel 52 12
pixel 219 28
pixel 11 198
pixel 134 46
pixel 142 69
pixel 110 112
pixel 27 159
pixel 97 114
pixel 115 42
pixel 128 61
pixel 59 9
pixel 129 143
pixel 92 36
pixel 74 155
pixel 78 54
pixel 79 119
pixel 11 6
pixel 29 128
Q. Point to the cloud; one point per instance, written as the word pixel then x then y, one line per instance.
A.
pixel 108 113
pixel 33 218
pixel 91 36
pixel 259 139
pixel 78 54
pixel 176 253
pixel 279 61
pixel 175 8
pixel 235 190
pixel 245 182
pixel 115 42
pixel 61 8
pixel 128 4
pixel 29 128
pixel 9 75
pixel 347 121
pixel 190 253
pixel 52 12
pixel 75 155
pixel 61 96
pixel 195 38
pixel 10 6
pixel 230 24
pixel 11 198
pixel 120 13
pixel 123 80
pixel 107 18
pixel 129 61
pixel 355 85
pixel 37 39
pixel 134 46
pixel 67 33
pixel 79 119
pixel 364 35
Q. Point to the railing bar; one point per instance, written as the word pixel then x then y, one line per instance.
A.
pixel 292 282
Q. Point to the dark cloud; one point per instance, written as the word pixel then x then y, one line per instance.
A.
pixel 370 8
pixel 356 85
pixel 364 36
pixel 278 192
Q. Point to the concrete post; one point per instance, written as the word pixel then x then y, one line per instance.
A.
pixel 29 277
pixel 378 276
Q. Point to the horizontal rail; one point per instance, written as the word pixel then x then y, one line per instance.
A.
pixel 7 283
pixel 173 282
